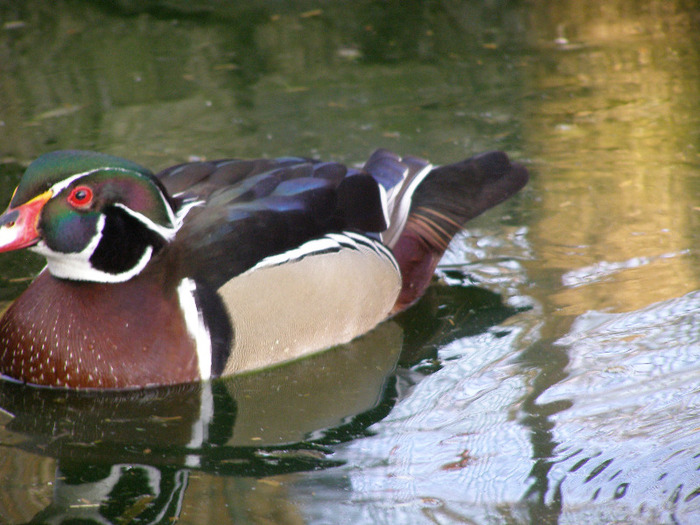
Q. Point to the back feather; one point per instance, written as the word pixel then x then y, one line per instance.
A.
pixel 252 209
pixel 244 211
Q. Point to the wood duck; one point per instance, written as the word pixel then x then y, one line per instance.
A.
pixel 207 269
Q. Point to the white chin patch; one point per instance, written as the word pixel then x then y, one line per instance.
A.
pixel 77 266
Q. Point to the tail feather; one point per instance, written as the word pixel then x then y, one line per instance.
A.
pixel 444 200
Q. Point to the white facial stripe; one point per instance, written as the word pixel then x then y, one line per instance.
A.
pixel 167 233
pixel 175 220
pixel 195 326
pixel 71 265
pixel 63 184
pixel 77 266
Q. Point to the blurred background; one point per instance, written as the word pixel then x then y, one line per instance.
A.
pixel 550 374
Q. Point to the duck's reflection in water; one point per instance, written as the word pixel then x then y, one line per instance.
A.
pixel 124 455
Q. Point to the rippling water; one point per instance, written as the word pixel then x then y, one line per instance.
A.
pixel 549 376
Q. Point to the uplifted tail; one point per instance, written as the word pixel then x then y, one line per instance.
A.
pixel 433 204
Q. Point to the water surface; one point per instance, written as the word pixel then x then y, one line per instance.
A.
pixel 550 373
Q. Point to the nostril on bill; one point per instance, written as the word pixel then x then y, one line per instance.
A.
pixel 9 219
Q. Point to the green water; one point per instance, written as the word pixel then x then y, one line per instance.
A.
pixel 549 376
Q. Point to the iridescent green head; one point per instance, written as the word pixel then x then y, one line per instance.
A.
pixel 94 217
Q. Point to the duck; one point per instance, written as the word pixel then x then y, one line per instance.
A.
pixel 209 269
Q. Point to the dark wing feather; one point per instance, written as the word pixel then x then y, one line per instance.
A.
pixel 358 196
pixel 249 210
pixel 386 167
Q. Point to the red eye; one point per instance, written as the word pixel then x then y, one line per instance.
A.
pixel 80 197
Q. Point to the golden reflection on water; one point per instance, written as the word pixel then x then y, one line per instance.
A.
pixel 619 222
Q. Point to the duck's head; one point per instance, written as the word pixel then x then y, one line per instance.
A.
pixel 93 216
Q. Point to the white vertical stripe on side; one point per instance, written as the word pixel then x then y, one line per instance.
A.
pixel 195 326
